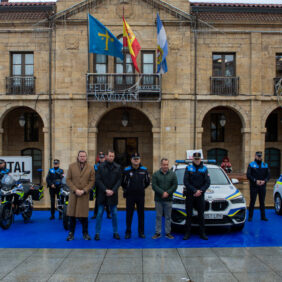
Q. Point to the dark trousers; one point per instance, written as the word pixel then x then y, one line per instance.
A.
pixel 199 204
pixel 84 222
pixel 96 207
pixel 130 205
pixel 260 190
pixel 53 192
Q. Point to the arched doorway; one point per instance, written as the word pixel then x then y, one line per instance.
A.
pixel 126 130
pixel 273 142
pixel 23 136
pixel 222 136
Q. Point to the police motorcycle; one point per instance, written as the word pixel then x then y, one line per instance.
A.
pixel 62 202
pixel 16 197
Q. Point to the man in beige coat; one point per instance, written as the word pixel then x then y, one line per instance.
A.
pixel 80 179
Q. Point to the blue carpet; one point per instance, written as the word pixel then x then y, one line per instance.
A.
pixel 43 233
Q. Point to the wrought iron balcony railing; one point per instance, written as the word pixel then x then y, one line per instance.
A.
pixel 226 86
pixel 20 85
pixel 123 87
pixel 275 81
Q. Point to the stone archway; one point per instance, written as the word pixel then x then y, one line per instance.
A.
pixel 137 135
pixel 273 141
pixel 27 139
pixel 224 135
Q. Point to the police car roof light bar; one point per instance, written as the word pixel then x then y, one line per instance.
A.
pixel 190 161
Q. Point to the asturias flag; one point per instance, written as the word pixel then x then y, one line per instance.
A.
pixel 162 47
pixel 102 41
pixel 130 41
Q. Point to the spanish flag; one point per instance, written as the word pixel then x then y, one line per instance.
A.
pixel 130 41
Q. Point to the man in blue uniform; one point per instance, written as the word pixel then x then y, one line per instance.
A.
pixel 258 175
pixel 135 180
pixel 54 180
pixel 102 159
pixel 3 169
pixel 196 182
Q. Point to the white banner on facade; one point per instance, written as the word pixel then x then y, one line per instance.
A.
pixel 17 165
pixel 189 153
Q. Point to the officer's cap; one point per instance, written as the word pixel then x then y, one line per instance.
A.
pixel 2 161
pixel 197 155
pixel 56 161
pixel 259 153
pixel 135 156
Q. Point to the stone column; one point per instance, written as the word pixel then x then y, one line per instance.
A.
pixel 246 153
pixel 92 144
pixel 45 166
pixel 156 147
pixel 199 138
pixel 1 141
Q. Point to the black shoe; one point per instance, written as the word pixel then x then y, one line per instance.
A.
pixel 109 216
pixel 116 236
pixel 264 218
pixel 141 235
pixel 94 216
pixel 97 237
pixel 204 236
pixel 86 237
pixel 250 219
pixel 70 236
pixel 127 236
pixel 186 236
pixel 52 217
pixel 60 216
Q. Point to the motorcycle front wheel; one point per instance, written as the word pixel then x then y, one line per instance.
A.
pixel 66 219
pixel 6 216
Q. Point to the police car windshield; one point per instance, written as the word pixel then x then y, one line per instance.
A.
pixel 216 175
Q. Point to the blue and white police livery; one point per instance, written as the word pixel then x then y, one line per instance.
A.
pixel 277 196
pixel 224 203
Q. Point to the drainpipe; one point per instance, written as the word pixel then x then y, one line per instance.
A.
pixel 195 80
pixel 50 91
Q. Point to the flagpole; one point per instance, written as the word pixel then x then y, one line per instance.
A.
pixel 88 55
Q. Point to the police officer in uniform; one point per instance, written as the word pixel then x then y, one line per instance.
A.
pixel 102 159
pixel 196 182
pixel 3 169
pixel 53 180
pixel 258 175
pixel 134 182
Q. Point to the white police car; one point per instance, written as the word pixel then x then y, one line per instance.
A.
pixel 277 195
pixel 224 203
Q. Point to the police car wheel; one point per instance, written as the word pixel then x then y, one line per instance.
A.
pixel 278 204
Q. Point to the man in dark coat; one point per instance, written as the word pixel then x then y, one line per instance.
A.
pixel 102 159
pixel 108 180
pixel 54 181
pixel 135 180
pixel 197 181
pixel 80 179
pixel 258 175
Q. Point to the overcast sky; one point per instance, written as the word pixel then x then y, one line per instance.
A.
pixel 212 1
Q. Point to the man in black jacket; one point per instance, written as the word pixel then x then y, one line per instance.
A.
pixel 108 180
pixel 197 181
pixel 258 175
pixel 54 180
pixel 135 180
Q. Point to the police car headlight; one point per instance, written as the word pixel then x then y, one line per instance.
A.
pixel 238 200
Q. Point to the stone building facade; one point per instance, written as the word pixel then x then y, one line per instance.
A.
pixel 218 94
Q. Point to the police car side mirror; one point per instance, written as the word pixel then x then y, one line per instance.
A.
pixel 234 181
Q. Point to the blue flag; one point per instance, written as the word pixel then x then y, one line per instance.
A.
pixel 162 50
pixel 102 41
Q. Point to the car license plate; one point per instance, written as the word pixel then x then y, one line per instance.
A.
pixel 214 216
